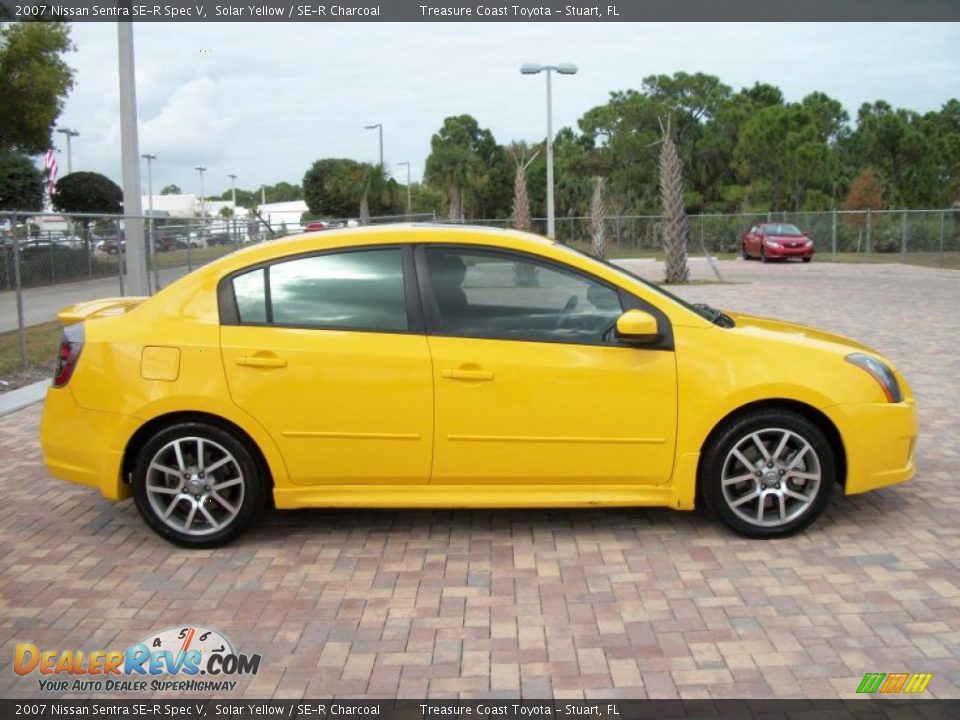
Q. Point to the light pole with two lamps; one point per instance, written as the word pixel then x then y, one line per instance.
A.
pixel 563 69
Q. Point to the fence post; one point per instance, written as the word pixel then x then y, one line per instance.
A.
pixel 869 231
pixel 903 236
pixel 53 273
pixel 833 233
pixel 21 325
pixel 942 228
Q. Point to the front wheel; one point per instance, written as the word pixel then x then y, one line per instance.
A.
pixel 763 255
pixel 807 259
pixel 743 251
pixel 197 485
pixel 768 473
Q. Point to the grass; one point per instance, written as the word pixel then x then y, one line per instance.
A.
pixel 949 259
pixel 41 341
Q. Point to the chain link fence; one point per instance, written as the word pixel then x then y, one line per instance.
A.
pixel 49 261
pixel 925 237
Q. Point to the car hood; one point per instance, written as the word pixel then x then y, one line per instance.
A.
pixel 794 331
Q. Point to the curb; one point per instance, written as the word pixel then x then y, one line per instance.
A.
pixel 22 397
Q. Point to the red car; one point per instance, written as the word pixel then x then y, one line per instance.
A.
pixel 769 241
pixel 315 226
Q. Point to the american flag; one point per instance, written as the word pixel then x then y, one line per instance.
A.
pixel 50 161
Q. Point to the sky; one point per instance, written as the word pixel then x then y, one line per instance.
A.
pixel 263 101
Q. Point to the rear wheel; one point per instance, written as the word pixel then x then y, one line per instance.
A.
pixel 197 485
pixel 768 473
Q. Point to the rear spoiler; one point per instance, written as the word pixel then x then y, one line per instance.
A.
pixel 97 308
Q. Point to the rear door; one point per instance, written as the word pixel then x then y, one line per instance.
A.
pixel 327 352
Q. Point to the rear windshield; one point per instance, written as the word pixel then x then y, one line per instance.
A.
pixel 783 230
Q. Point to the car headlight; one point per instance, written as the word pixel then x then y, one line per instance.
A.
pixel 772 243
pixel 880 372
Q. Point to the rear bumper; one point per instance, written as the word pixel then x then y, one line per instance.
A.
pixel 84 446
pixel 880 442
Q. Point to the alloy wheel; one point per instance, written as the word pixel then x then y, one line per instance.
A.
pixel 195 486
pixel 771 477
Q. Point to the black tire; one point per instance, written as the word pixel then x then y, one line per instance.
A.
pixel 743 251
pixel 794 514
pixel 807 259
pixel 763 255
pixel 246 498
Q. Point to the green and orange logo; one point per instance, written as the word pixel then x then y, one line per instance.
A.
pixel 894 683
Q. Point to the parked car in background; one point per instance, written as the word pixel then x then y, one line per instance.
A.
pixel 112 246
pixel 776 241
pixel 315 226
pixel 411 366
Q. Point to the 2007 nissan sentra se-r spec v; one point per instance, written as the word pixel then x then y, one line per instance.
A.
pixel 447 366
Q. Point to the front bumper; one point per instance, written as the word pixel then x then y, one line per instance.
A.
pixel 84 446
pixel 880 441
pixel 788 252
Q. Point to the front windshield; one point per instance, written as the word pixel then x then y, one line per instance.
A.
pixel 700 310
pixel 782 230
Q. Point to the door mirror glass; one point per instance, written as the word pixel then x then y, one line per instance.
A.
pixel 637 326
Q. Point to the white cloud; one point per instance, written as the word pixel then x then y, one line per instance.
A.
pixel 263 100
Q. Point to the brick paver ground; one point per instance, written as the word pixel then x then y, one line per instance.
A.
pixel 629 603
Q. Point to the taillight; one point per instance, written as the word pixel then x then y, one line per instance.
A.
pixel 71 343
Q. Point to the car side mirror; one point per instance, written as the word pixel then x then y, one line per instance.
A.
pixel 637 326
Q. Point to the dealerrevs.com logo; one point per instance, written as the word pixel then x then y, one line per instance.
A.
pixel 169 660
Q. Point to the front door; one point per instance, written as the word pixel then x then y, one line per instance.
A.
pixel 324 354
pixel 531 386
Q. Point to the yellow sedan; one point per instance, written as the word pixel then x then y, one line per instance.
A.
pixel 448 366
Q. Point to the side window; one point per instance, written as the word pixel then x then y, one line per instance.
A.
pixel 361 290
pixel 485 293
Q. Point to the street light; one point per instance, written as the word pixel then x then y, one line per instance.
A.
pixel 378 126
pixel 69 133
pixel 535 69
pixel 151 249
pixel 409 205
pixel 233 192
pixel 203 208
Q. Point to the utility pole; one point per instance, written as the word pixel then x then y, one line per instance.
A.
pixel 203 203
pixel 233 192
pixel 409 204
pixel 70 134
pixel 152 245
pixel 136 259
pixel 379 127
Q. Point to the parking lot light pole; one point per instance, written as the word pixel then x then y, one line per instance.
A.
pixel 379 127
pixel 203 203
pixel 70 134
pixel 409 204
pixel 233 192
pixel 563 69
pixel 151 252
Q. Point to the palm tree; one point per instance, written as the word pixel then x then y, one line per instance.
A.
pixel 675 227
pixel 450 167
pixel 598 239
pixel 521 200
pixel 373 185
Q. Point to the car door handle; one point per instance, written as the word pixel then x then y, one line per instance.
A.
pixel 467 374
pixel 261 361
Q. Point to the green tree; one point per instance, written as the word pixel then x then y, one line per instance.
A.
pixel 171 190
pixel 88 192
pixel 34 82
pixel 21 184
pixel 470 168
pixel 331 187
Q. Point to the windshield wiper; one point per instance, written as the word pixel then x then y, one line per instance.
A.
pixel 715 316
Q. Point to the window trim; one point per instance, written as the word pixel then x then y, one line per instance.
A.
pixel 229 311
pixel 628 301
